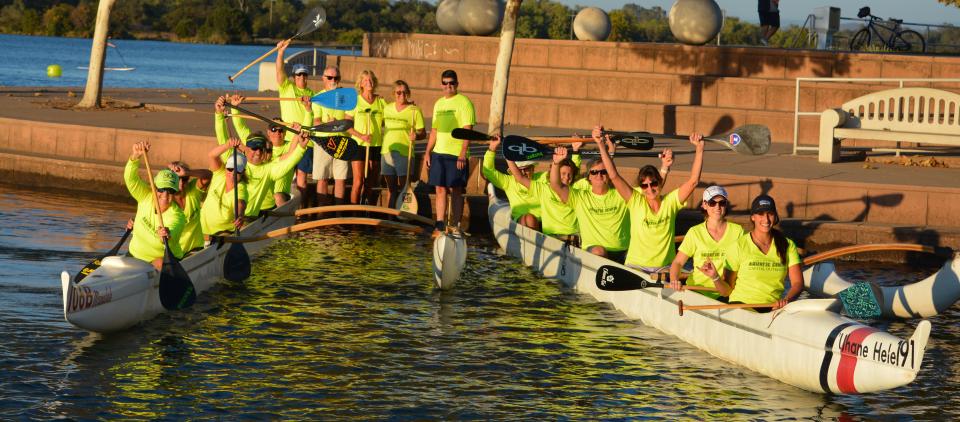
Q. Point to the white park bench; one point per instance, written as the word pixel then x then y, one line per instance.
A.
pixel 921 115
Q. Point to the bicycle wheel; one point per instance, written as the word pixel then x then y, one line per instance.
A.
pixel 860 40
pixel 909 41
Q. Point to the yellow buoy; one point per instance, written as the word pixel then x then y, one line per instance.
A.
pixel 54 71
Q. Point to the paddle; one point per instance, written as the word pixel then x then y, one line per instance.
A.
pixel 518 148
pixel 236 264
pixel 746 139
pixel 632 140
pixel 340 147
pixel 93 265
pixel 311 22
pixel 329 127
pixel 337 99
pixel 176 289
pixel 617 279
pixel 327 222
pixel 407 200
pixel 683 307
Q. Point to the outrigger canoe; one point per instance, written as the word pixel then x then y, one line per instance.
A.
pixel 806 344
pixel 922 299
pixel 125 291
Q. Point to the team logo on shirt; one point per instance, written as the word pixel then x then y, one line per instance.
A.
pixel 734 139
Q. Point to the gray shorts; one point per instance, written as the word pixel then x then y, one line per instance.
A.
pixel 325 167
pixel 393 163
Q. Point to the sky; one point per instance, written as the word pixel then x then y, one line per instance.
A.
pixel 795 11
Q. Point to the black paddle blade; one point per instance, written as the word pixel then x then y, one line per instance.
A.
pixel 518 148
pixel 93 265
pixel 313 20
pixel 750 139
pixel 176 289
pixel 236 264
pixel 639 141
pixel 334 126
pixel 618 279
pixel 339 147
pixel 470 135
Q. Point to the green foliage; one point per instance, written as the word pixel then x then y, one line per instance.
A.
pixel 544 19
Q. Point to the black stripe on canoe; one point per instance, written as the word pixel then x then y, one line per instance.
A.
pixel 828 356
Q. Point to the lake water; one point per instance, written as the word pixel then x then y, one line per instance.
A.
pixel 158 64
pixel 340 324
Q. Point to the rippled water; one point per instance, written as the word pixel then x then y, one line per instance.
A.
pixel 344 324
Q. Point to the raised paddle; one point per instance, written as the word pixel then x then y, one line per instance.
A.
pixel 176 289
pixel 632 140
pixel 518 148
pixel 336 99
pixel 93 265
pixel 746 139
pixel 236 264
pixel 683 307
pixel 311 22
pixel 339 147
pixel 333 126
pixel 617 279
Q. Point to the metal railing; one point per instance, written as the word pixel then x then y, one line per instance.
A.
pixel 797 113
pixel 926 34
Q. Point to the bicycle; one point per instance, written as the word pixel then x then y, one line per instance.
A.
pixel 900 40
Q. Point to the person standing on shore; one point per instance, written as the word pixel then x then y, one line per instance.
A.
pixel 147 241
pixel 367 130
pixel 294 111
pixel 769 11
pixel 403 126
pixel 447 157
pixel 325 167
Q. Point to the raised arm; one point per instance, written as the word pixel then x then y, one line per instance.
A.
pixel 281 72
pixel 138 188
pixel 214 160
pixel 290 159
pixel 687 187
pixel 562 191
pixel 220 120
pixel 488 169
pixel 623 188
pixel 243 131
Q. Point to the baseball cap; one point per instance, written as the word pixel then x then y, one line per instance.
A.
pixel 763 203
pixel 240 164
pixel 714 190
pixel 167 179
pixel 256 142
pixel 522 164
pixel 300 68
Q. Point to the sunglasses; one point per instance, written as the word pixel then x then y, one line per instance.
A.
pixel 650 185
pixel 275 129
pixel 721 202
pixel 167 190
pixel 596 172
pixel 400 93
pixel 445 83
pixel 331 78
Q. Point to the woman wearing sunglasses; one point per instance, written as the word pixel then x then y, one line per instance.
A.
pixel 217 215
pixel 757 266
pixel 147 241
pixel 707 241
pixel 367 130
pixel 403 122
pixel 192 187
pixel 653 216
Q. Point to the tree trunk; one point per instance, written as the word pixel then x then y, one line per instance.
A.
pixel 498 98
pixel 91 94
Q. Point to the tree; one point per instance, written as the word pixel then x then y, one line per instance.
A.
pixel 951 2
pixel 91 94
pixel 56 20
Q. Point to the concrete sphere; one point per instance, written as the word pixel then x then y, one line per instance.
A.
pixel 695 22
pixel 447 17
pixel 480 17
pixel 592 24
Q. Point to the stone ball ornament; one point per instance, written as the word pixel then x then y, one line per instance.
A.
pixel 695 22
pixel 447 17
pixel 480 17
pixel 591 24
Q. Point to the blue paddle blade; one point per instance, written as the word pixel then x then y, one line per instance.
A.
pixel 862 301
pixel 337 99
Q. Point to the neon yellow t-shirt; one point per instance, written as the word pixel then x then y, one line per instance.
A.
pixel 521 201
pixel 699 245
pixel 602 219
pixel 449 114
pixel 375 115
pixel 145 244
pixel 216 215
pixel 651 234
pixel 396 136
pixel 760 277
pixel 327 115
pixel 556 217
pixel 192 236
pixel 261 178
pixel 292 111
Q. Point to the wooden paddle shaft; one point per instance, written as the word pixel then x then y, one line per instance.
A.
pixel 323 223
pixel 683 307
pixel 153 187
pixel 257 60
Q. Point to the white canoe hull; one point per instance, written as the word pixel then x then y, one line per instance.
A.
pixel 806 344
pixel 922 299
pixel 449 258
pixel 125 291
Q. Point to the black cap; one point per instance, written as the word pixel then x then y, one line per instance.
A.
pixel 763 203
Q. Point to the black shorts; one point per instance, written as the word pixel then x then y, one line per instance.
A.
pixel 444 171
pixel 770 19
pixel 306 163
pixel 374 154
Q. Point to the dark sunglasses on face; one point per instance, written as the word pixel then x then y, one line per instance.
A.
pixel 167 190
pixel 445 83
pixel 650 185
pixel 275 129
pixel 596 172
pixel 400 93
pixel 331 78
pixel 721 202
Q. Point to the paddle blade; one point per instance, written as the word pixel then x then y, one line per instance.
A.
pixel 470 135
pixel 638 141
pixel 749 139
pixel 236 264
pixel 334 126
pixel 312 21
pixel 618 279
pixel 518 148
pixel 339 147
pixel 337 99
pixel 862 301
pixel 93 265
pixel 407 201
pixel 176 289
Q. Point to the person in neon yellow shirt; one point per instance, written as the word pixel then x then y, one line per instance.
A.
pixel 147 241
pixel 756 268
pixel 707 240
pixel 219 211
pixel 367 130
pixel 403 126
pixel 653 216
pixel 446 157
pixel 192 187
pixel 601 212
pixel 325 167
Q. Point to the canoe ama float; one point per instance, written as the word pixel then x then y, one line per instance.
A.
pixel 922 299
pixel 125 291
pixel 449 258
pixel 807 344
